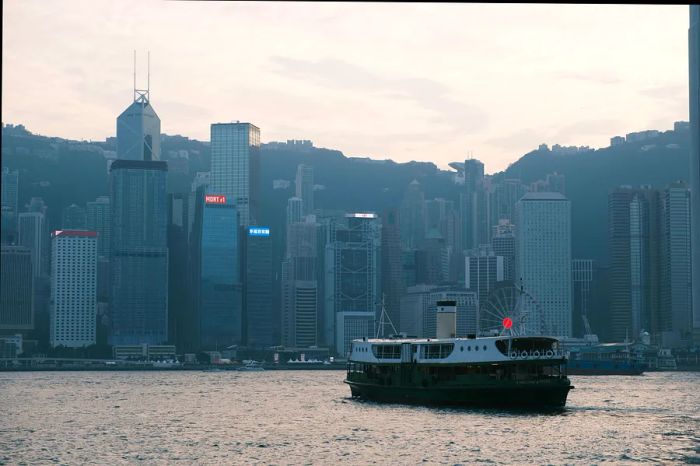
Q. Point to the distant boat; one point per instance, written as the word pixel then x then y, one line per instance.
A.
pixel 251 366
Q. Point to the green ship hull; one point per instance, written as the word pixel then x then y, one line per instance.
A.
pixel 514 395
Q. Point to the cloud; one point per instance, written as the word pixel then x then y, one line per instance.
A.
pixel 426 93
pixel 593 77
pixel 575 131
pixel 672 92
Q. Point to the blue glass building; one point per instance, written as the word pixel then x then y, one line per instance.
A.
pixel 258 287
pixel 139 252
pixel 220 289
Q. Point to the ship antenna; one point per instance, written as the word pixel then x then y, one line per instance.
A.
pixel 148 81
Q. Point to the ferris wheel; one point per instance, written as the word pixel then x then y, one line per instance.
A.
pixel 509 309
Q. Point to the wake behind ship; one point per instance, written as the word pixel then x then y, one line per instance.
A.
pixel 500 371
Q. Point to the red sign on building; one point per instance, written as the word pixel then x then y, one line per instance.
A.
pixel 215 199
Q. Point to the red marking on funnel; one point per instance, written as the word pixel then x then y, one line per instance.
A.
pixel 507 322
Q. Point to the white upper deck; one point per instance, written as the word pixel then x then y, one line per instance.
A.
pixel 454 350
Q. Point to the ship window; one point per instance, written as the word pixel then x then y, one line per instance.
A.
pixel 484 347
pixel 476 348
pixel 469 348
pixel 387 351
pixel 438 351
pixel 461 348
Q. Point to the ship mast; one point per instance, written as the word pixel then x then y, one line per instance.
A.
pixel 384 320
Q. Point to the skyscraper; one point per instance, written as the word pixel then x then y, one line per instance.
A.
pixel 483 270
pixel 9 197
pixel 694 67
pixel 74 218
pixel 235 167
pixel 543 264
pixel 257 303
pixel 392 280
pixel 582 280
pixel 300 288
pixel 73 288
pixel 634 237
pixel 503 243
pixel 138 130
pixel 305 187
pixel 98 219
pixel 675 287
pixel 353 280
pixel 139 261
pixel 16 294
pixel 220 288
pixel 33 235
pixel 473 206
pixel 295 210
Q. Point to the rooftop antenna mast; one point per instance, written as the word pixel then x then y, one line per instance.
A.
pixel 142 95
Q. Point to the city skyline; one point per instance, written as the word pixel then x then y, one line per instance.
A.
pixel 569 91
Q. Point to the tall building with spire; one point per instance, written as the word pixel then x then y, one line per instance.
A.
pixel 139 222
pixel 138 127
pixel 694 67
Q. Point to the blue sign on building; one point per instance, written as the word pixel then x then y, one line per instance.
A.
pixel 258 231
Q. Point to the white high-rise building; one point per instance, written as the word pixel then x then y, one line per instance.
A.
pixel 235 166
pixel 73 288
pixel 543 263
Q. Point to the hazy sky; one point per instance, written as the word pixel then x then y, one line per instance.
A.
pixel 428 82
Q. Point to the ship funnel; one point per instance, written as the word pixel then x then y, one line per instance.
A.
pixel 446 319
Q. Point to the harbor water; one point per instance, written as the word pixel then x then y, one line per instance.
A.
pixel 308 417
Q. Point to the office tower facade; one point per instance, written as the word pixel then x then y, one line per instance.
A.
pixel 139 252
pixel 305 188
pixel 98 219
pixel 352 325
pixel 503 244
pixel 220 284
pixel 694 67
pixel 483 270
pixel 33 233
pixel 634 236
pixel 181 308
pixel 258 282
pixel 16 292
pixel 392 280
pixel 412 216
pixel 676 318
pixel 235 167
pixel 300 287
pixel 73 288
pixel 353 276
pixel 74 218
pixel 543 264
pixel 138 130
pixel 582 281
pixel 9 199
pixel 474 206
pixel 502 199
pixel 295 210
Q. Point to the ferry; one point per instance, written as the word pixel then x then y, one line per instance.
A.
pixel 504 370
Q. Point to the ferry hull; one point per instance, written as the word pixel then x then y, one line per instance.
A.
pixel 514 396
